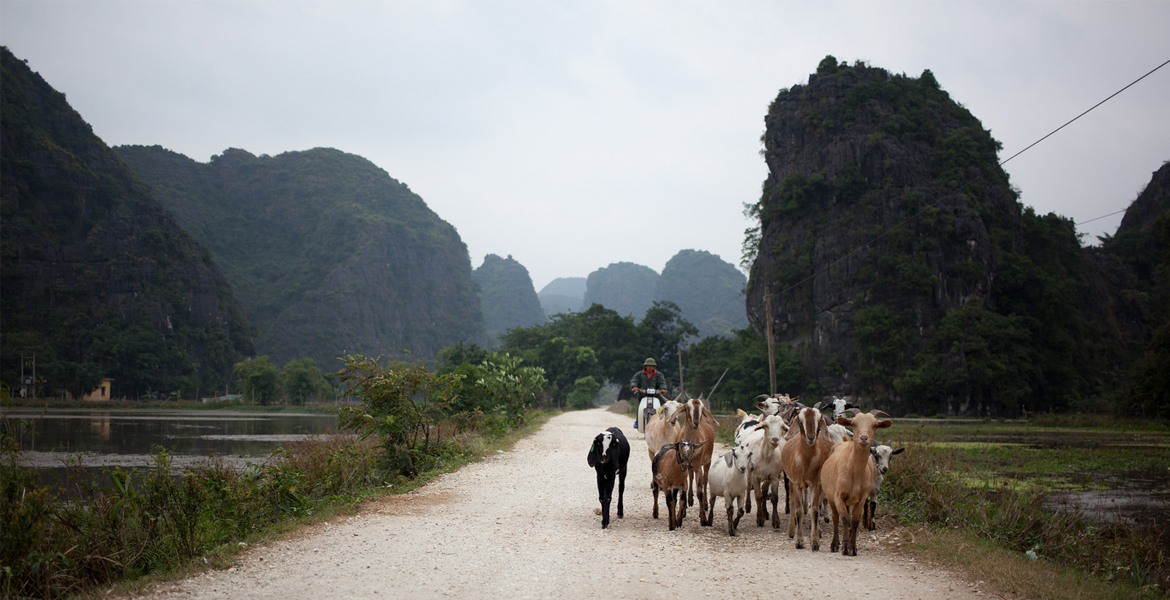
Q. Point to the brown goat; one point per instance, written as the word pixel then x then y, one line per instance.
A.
pixel 803 454
pixel 847 478
pixel 671 467
pixel 699 431
pixel 661 429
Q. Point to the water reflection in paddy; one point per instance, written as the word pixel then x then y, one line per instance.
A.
pixel 1107 474
pixel 59 441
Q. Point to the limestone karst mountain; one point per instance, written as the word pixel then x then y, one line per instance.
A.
pixel 562 295
pixel 708 291
pixel 902 267
pixel 99 280
pixel 326 252
pixel 506 295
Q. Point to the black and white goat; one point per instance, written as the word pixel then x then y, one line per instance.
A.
pixel 608 456
pixel 840 406
pixel 881 461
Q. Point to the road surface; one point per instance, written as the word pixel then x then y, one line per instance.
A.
pixel 522 525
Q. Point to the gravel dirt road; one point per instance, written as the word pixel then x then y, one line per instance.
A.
pixel 522 525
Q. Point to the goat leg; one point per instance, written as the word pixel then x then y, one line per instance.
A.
pixel 706 518
pixel 853 523
pixel 762 507
pixel 654 488
pixel 815 506
pixel 621 492
pixel 836 545
pixel 730 521
pixel 774 496
pixel 670 509
pixel 787 498
pixel 792 521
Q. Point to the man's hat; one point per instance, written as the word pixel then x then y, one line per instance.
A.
pixel 649 363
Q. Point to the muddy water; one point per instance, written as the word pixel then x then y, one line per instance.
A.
pixel 65 446
pixel 1139 497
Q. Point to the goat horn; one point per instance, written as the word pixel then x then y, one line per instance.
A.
pixel 879 413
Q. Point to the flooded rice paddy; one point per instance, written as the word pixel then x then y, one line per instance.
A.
pixel 67 445
pixel 1112 475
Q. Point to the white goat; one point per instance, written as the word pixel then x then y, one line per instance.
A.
pixel 765 442
pixel 881 458
pixel 769 405
pixel 728 478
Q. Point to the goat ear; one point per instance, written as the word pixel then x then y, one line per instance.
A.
pixel 592 458
pixel 883 424
pixel 729 458
pixel 739 413
pixel 898 451
pixel 849 406
pixel 791 433
pixel 846 421
pixel 823 430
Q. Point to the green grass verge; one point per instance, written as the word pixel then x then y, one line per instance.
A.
pixel 995 493
pixel 148 525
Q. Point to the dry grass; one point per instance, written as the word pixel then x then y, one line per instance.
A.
pixel 1012 574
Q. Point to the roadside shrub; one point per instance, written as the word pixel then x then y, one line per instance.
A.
pixel 584 391
pixel 153 520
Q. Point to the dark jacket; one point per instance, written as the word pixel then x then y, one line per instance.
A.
pixel 642 381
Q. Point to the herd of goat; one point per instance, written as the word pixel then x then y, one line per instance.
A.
pixel 819 463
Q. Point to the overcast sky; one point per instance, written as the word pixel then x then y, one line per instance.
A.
pixel 571 135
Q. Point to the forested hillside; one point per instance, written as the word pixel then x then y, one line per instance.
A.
pixel 506 295
pixel 902 267
pixel 1142 243
pixel 708 291
pixel 326 252
pixel 98 279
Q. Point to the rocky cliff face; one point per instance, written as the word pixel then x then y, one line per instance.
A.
pixel 327 253
pixel 98 278
pixel 867 216
pixel 902 269
pixel 506 295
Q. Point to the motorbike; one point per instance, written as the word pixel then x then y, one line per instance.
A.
pixel 650 402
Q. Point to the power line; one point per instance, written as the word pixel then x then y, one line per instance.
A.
pixel 1103 216
pixel 973 180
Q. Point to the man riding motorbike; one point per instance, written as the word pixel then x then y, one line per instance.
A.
pixel 649 378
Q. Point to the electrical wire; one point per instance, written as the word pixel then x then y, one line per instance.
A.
pixel 973 180
pixel 1103 216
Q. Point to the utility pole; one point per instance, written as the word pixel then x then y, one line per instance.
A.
pixel 771 352
pixel 28 383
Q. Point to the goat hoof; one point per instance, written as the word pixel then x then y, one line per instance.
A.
pixel 834 547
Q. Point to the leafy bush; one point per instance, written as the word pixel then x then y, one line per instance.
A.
pixel 584 391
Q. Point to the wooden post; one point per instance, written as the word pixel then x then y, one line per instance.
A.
pixel 771 352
